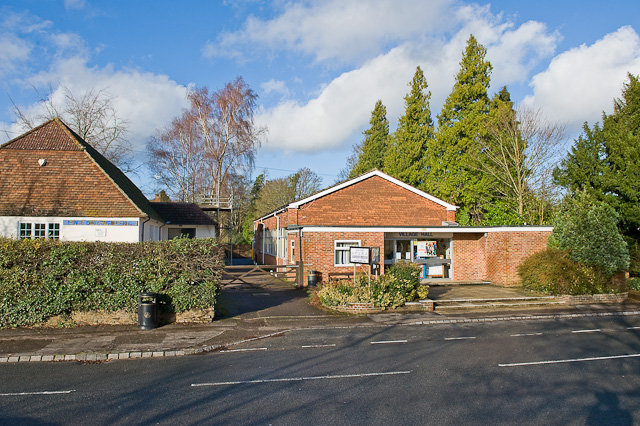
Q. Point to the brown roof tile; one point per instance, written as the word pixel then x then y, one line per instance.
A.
pixel 75 181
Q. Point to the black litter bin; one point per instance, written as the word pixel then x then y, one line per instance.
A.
pixel 147 311
pixel 313 278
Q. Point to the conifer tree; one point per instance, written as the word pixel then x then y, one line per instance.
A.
pixel 371 152
pixel 605 160
pixel 405 156
pixel 461 124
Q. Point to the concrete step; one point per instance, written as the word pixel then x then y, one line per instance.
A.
pixel 507 302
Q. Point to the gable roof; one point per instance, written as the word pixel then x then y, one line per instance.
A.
pixel 182 213
pixel 374 172
pixel 347 183
pixel 54 135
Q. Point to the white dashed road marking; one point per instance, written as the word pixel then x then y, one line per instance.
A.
pixel 564 361
pixel 382 342
pixel 299 379
pixel 37 393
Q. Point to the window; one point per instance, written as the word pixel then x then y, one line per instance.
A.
pixel 181 233
pixel 25 230
pixel 39 230
pixel 341 249
pixel 293 249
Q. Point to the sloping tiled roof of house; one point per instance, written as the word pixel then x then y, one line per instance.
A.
pixel 51 171
pixel 182 214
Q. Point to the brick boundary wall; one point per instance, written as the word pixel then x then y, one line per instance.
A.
pixel 589 299
pixel 358 308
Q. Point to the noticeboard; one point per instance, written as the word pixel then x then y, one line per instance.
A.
pixel 365 255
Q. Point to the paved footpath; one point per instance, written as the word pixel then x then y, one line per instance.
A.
pixel 245 312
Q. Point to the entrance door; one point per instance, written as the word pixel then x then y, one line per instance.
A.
pixel 403 250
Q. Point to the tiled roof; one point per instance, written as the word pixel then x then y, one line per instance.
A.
pixel 75 181
pixel 182 214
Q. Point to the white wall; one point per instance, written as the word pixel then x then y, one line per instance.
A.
pixel 127 229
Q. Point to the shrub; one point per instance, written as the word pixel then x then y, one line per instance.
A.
pixel 399 285
pixel 588 231
pixel 552 271
pixel 42 278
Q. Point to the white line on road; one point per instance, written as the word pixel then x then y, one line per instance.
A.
pixel 261 294
pixel 459 338
pixel 595 330
pixel 245 350
pixel 564 361
pixel 320 346
pixel 526 334
pixel 382 342
pixel 298 379
pixel 37 393
pixel 633 328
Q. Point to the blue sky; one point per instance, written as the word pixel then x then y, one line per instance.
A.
pixel 318 67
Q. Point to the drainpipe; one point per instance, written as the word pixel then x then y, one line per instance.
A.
pixel 277 237
pixel 148 219
pixel 262 250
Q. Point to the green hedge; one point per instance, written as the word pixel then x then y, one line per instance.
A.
pixel 43 278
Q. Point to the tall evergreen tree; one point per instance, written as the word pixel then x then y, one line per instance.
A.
pixel 461 124
pixel 405 156
pixel 605 160
pixel 371 152
pixel 621 132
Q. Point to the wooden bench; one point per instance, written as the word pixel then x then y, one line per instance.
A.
pixel 334 276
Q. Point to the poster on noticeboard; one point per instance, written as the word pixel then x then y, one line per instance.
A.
pixel 426 248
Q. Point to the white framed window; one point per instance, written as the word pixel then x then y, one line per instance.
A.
pixel 39 230
pixel 341 251
pixel 293 251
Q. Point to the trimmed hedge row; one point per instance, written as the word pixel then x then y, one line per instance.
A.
pixel 42 278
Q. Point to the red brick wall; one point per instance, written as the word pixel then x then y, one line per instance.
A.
pixel 372 202
pixel 495 257
pixel 318 250
pixel 469 256
pixel 507 250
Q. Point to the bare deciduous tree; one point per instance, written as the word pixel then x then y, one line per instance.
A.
pixel 519 152
pixel 229 134
pixel 211 145
pixel 91 115
pixel 177 158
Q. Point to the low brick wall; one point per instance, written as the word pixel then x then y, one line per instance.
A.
pixel 358 308
pixel 121 317
pixel 589 299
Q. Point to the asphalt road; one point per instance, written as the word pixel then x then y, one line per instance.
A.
pixel 551 372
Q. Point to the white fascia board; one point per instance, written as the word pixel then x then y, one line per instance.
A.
pixel 273 213
pixel 378 173
pixel 434 229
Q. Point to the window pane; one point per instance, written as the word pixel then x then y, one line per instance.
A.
pixel 54 231
pixel 40 230
pixel 25 230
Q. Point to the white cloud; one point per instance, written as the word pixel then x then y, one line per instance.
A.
pixel 347 30
pixel 13 51
pixel 582 82
pixel 145 100
pixel 75 4
pixel 342 108
pixel 278 87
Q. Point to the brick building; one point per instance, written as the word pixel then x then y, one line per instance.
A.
pixel 406 224
pixel 55 185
